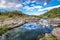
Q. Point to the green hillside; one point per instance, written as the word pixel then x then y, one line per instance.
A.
pixel 8 14
pixel 14 14
pixel 52 13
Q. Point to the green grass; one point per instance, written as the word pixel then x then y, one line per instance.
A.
pixel 2 16
pixel 4 29
pixel 54 13
pixel 49 38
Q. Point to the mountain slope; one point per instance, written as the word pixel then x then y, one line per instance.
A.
pixel 52 13
pixel 12 14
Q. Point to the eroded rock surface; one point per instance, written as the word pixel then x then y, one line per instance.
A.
pixel 11 23
pixel 56 33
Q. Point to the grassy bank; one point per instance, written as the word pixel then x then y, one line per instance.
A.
pixel 4 29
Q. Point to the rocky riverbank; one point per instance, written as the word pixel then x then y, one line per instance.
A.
pixel 11 23
pixel 54 35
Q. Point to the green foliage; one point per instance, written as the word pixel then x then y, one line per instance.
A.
pixel 52 13
pixel 4 29
pixel 49 38
pixel 12 13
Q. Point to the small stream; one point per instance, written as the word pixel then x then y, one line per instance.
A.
pixel 28 31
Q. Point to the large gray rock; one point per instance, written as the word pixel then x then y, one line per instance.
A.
pixel 11 22
pixel 56 33
pixel 3 37
pixel 48 35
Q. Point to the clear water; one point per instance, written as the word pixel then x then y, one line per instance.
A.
pixel 29 31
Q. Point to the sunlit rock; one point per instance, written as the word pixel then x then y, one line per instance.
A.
pixel 56 33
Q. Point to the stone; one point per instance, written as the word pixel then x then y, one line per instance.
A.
pixel 56 33
pixel 48 35
pixel 11 22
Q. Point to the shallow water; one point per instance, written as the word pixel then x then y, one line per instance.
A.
pixel 29 31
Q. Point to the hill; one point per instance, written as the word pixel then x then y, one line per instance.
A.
pixel 54 13
pixel 12 14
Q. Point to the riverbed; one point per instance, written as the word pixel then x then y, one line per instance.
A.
pixel 28 31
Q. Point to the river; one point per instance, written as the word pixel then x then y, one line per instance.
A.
pixel 28 31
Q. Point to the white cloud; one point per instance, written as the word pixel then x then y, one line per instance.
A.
pixel 32 4
pixel 2 4
pixel 32 8
pixel 49 8
pixel 42 11
pixel 45 3
pixel 9 5
pixel 33 1
pixel 18 5
pixel 27 8
pixel 39 13
pixel 24 3
pixel 28 1
pixel 39 7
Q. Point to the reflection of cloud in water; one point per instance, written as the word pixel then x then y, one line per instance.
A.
pixel 30 26
pixel 28 31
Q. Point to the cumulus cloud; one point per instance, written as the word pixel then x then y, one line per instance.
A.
pixel 18 3
pixel 15 1
pixel 10 4
pixel 3 1
pixel 32 8
pixel 2 4
pixel 49 8
pixel 33 1
pixel 27 5
pixel 41 11
pixel 45 3
pixel 28 2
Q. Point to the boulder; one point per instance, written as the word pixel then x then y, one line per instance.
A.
pixel 11 23
pixel 56 33
pixel 48 35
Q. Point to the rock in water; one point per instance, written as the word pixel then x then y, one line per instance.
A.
pixel 56 33
pixel 3 37
pixel 48 35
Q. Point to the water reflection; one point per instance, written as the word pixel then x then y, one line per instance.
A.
pixel 29 31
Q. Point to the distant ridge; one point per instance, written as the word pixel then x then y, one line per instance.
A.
pixel 52 13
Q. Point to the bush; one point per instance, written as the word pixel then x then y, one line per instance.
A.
pixel 49 38
pixel 4 29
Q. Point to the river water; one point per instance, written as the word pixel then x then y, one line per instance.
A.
pixel 28 31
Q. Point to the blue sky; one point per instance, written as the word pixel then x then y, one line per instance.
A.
pixel 30 7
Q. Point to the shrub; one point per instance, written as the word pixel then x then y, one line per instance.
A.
pixel 49 38
pixel 4 29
